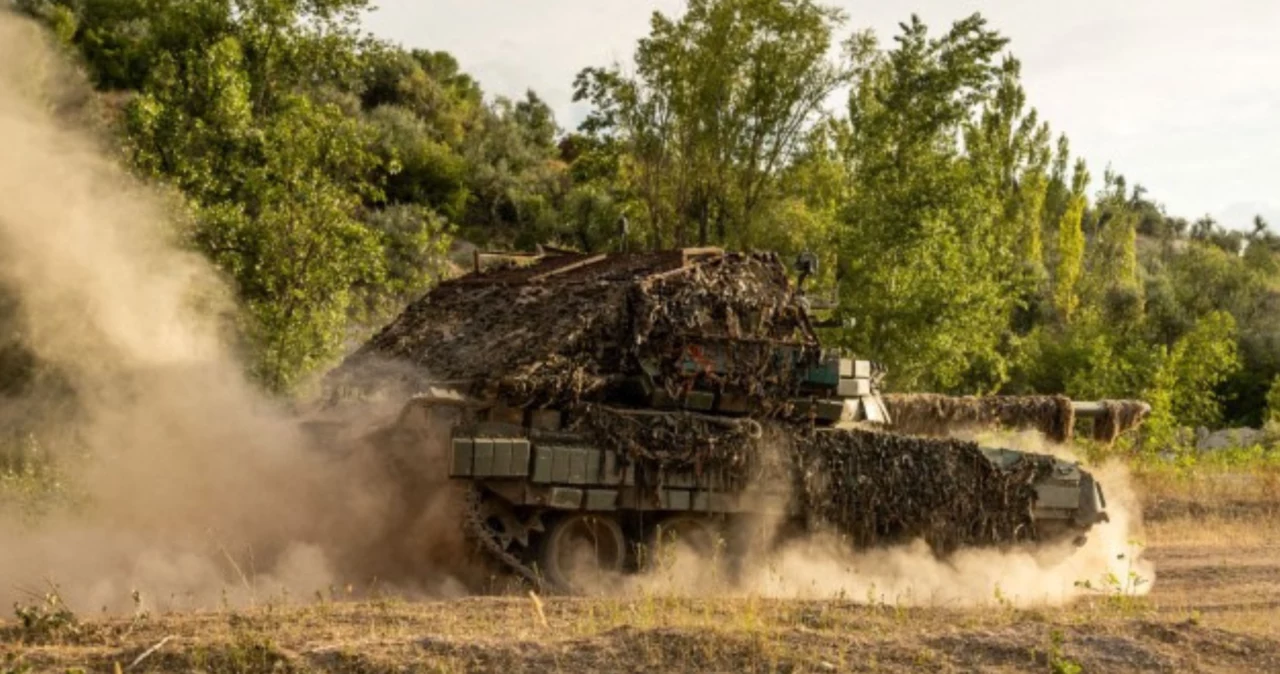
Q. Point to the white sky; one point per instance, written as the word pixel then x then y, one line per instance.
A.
pixel 1182 96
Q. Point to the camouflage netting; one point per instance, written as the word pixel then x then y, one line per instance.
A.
pixel 744 304
pixel 676 440
pixel 1120 417
pixel 870 486
pixel 933 414
pixel 568 329
pixel 939 415
pixel 564 329
pixel 880 488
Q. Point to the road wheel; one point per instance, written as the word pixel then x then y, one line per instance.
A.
pixel 583 552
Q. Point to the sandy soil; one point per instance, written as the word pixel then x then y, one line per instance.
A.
pixel 1214 607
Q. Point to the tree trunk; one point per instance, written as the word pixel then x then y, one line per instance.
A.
pixel 704 215
pixel 721 232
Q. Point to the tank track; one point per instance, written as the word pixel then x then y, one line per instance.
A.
pixel 480 534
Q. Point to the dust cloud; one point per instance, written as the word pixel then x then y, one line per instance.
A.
pixel 200 490
pixel 1108 563
pixel 822 567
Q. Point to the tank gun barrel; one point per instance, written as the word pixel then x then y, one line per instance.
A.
pixel 1053 415
pixel 1097 409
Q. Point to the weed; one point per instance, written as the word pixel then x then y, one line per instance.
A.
pixel 1210 478
pixel 813 618
pixel 13 664
pixel 1004 601
pixel 248 652
pixel 1120 591
pixel 1059 663
pixel 46 620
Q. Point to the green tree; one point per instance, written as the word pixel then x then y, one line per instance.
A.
pixel 237 104
pixel 1202 278
pixel 1183 389
pixel 427 83
pixel 326 173
pixel 1112 277
pixel 721 99
pixel 1009 150
pixel 1071 246
pixel 517 182
pixel 928 254
pixel 1273 402
pixel 291 241
pixel 417 168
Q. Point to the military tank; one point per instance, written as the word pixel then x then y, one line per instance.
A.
pixel 597 407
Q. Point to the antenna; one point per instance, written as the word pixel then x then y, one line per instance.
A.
pixel 806 266
pixel 623 228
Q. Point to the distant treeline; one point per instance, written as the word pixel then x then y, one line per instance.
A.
pixel 327 174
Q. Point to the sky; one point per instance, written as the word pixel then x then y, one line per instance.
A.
pixel 1181 96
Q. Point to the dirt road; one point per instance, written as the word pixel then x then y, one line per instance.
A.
pixel 1214 607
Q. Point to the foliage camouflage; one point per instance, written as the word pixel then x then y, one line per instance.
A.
pixel 884 488
pixel 563 331
pixel 873 487
pixel 567 334
pixel 932 414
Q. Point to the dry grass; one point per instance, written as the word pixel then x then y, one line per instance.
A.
pixel 1214 606
pixel 1213 527
pixel 648 634
pixel 1231 483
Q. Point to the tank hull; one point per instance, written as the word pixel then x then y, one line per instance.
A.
pixel 529 484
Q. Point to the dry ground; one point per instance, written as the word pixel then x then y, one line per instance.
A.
pixel 1214 607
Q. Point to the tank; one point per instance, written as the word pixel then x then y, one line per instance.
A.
pixel 598 407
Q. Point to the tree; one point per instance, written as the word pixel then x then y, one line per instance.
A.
pixel 1273 402
pixel 428 84
pixel 290 239
pixel 1112 277
pixel 325 173
pixel 1071 246
pixel 1009 150
pixel 516 179
pixel 721 99
pixel 415 167
pixel 928 254
pixel 234 106
pixel 1183 389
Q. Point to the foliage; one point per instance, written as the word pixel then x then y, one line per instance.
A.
pixel 47 620
pixel 237 105
pixel 1183 388
pixel 517 182
pixel 720 102
pixel 1071 246
pixel 1241 473
pixel 327 174
pixel 929 253
pixel 1273 401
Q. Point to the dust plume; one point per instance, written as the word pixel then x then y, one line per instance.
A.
pixel 820 567
pixel 199 489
